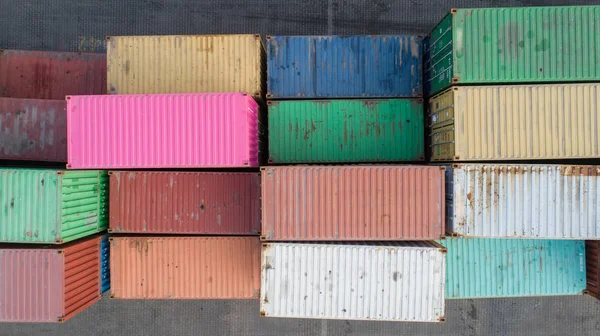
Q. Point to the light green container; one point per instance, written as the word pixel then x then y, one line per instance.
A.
pixel 327 131
pixel 514 45
pixel 50 206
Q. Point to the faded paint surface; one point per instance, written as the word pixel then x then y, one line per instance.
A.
pixel 344 67
pixel 352 203
pixel 186 64
pixel 50 206
pixel 185 267
pixel 184 202
pixel 33 129
pixel 387 130
pixel 512 45
pixel 592 248
pixel 357 281
pixel 50 74
pixel 483 268
pixel 48 285
pixel 516 122
pixel 162 131
pixel 524 201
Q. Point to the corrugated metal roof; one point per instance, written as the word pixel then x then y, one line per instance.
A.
pixel 359 281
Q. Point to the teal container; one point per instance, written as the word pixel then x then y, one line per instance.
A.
pixel 487 268
pixel 346 131
pixel 50 206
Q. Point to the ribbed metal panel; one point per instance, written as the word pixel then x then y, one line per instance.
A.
pixel 592 255
pixel 186 64
pixel 344 66
pixel 479 267
pixel 104 264
pixel 524 201
pixel 33 129
pixel 31 285
pixel 162 131
pixel 51 74
pixel 81 280
pixel 516 122
pixel 184 267
pixel 383 282
pixel 352 203
pixel 512 45
pixel 388 130
pixel 184 202
pixel 51 206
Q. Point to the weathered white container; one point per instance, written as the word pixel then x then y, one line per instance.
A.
pixel 402 281
pixel 523 201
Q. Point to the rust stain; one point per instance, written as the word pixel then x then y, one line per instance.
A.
pixel 470 199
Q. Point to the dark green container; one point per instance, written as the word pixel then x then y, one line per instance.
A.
pixel 317 131
pixel 514 45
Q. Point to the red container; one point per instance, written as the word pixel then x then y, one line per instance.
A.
pixel 184 202
pixel 33 129
pixel 331 203
pixel 49 284
pixel 51 75
pixel 592 256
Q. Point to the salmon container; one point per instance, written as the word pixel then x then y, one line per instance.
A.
pixel 523 201
pixel 162 131
pixel 337 203
pixel 48 284
pixel 186 63
pixel 592 248
pixel 51 206
pixel 33 129
pixel 184 267
pixel 51 74
pixel 396 281
pixel 184 202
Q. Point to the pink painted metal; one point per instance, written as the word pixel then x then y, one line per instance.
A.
pixel 49 284
pixel 51 74
pixel 330 203
pixel 33 129
pixel 162 131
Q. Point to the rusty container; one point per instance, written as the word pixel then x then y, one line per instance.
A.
pixel 592 248
pixel 336 203
pixel 184 202
pixel 50 74
pixel 185 267
pixel 48 284
pixel 33 129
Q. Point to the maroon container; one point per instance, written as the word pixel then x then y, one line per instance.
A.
pixel 33 129
pixel 51 75
pixel 184 203
pixel 593 271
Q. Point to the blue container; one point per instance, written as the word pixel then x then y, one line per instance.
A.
pixel 104 264
pixel 484 268
pixel 344 67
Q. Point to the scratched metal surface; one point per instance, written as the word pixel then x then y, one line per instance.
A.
pixel 81 25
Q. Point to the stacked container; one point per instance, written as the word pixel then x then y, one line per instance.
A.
pixel 510 89
pixel 349 241
pixel 49 250
pixel 178 102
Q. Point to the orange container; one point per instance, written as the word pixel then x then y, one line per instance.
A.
pixel 185 267
pixel 330 203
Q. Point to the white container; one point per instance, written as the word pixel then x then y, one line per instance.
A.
pixel 402 281
pixel 523 201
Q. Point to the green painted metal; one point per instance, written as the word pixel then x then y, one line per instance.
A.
pixel 50 206
pixel 515 45
pixel 386 130
pixel 481 267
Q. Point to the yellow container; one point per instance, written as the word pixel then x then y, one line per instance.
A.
pixel 515 122
pixel 186 64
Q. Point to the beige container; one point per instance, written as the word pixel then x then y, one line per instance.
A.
pixel 515 122
pixel 186 64
pixel 184 267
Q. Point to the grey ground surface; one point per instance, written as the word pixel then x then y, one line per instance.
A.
pixel 81 25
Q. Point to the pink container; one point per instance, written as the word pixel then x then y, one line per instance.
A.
pixel 162 131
